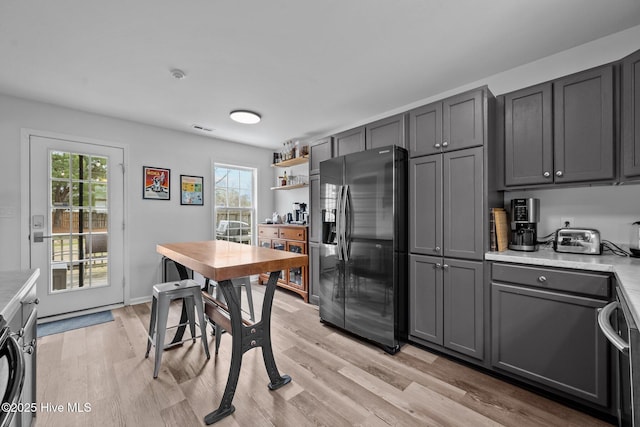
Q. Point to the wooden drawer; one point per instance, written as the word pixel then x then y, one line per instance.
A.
pixel 587 283
pixel 268 232
pixel 296 233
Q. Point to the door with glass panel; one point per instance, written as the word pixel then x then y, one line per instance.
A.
pixel 76 224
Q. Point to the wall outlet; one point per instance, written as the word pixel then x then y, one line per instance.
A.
pixel 567 222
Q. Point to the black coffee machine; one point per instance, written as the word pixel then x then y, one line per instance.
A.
pixel 525 215
pixel 300 213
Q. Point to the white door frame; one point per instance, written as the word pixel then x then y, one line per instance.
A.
pixel 25 219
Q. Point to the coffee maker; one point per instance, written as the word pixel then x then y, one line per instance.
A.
pixel 525 215
pixel 300 213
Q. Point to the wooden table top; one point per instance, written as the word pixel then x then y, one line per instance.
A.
pixel 220 260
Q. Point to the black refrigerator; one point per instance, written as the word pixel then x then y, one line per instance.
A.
pixel 363 255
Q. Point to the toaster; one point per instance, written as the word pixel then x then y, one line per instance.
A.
pixel 577 241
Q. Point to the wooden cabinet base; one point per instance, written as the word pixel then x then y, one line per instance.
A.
pixel 264 278
pixel 290 238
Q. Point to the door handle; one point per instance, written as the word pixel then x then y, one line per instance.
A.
pixel 38 237
pixel 607 329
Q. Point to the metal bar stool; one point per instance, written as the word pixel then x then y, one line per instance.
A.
pixel 163 293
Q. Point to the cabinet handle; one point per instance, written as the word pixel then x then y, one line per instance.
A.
pixel 542 279
pixel 438 265
pixel 437 249
pixel 436 145
pixel 445 266
pixel 546 174
pixel 445 144
pixel 559 173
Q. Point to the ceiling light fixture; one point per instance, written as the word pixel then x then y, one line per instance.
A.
pixel 245 116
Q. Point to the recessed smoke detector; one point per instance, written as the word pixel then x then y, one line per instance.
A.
pixel 201 128
pixel 177 74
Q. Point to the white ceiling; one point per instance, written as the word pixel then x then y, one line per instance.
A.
pixel 308 66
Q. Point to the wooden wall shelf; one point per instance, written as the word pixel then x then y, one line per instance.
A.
pixel 291 162
pixel 290 187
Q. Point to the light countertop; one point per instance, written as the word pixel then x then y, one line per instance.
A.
pixel 626 269
pixel 14 286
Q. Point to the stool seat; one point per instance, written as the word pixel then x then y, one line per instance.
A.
pixel 163 293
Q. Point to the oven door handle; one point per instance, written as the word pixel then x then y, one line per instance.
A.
pixel 604 321
pixel 11 349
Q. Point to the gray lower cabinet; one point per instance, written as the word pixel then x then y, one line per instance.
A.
pixel 314 273
pixel 631 116
pixel 388 131
pixel 445 204
pixel 446 303
pixel 544 330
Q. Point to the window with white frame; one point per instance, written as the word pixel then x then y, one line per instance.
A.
pixel 235 203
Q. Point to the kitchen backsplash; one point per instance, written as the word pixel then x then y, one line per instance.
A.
pixel 609 209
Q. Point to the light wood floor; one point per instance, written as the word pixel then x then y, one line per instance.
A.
pixel 337 380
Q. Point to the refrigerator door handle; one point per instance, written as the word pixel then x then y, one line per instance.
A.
pixel 339 224
pixel 347 223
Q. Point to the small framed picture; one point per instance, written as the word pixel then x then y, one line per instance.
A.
pixel 156 183
pixel 191 190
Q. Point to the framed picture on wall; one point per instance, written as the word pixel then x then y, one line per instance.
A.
pixel 156 183
pixel 191 190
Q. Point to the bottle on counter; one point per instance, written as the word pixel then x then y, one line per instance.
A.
pixel 284 179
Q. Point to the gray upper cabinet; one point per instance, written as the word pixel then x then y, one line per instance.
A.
pixel 445 204
pixel 318 151
pixel 528 137
pixel 351 141
pixel 388 131
pixel 462 118
pixel 631 116
pixel 452 124
pixel 561 131
pixel 425 205
pixel 425 130
pixel 462 199
pixel 583 126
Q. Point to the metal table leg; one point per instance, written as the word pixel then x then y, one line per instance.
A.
pixel 245 338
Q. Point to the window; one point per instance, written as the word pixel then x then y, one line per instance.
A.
pixel 235 203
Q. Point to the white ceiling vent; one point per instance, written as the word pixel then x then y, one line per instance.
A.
pixel 201 128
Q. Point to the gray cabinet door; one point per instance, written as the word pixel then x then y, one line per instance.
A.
pixel 351 141
pixel 318 151
pixel 425 298
pixel 388 131
pixel 425 130
pixel 463 306
pixel 462 195
pixel 315 211
pixel 425 205
pixel 583 126
pixel 550 338
pixel 462 120
pixel 631 115
pixel 528 137
pixel 314 273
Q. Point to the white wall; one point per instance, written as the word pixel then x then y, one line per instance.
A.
pixel 149 221
pixel 284 199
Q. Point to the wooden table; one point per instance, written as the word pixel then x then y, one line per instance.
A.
pixel 222 261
